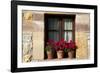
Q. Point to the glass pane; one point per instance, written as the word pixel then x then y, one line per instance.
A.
pixel 53 24
pixel 54 36
pixel 67 24
pixel 67 36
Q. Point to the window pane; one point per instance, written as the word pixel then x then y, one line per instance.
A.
pixel 67 24
pixel 67 36
pixel 54 36
pixel 53 23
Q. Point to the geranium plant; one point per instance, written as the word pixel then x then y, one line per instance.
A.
pixel 59 45
pixel 71 45
pixel 49 49
pixel 49 45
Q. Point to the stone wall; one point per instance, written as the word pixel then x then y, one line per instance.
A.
pixel 81 35
pixel 34 22
pixel 35 25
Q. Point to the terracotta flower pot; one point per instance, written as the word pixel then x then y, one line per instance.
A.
pixel 49 54
pixel 71 54
pixel 60 54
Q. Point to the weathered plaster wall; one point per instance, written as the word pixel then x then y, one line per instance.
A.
pixel 81 35
pixel 38 36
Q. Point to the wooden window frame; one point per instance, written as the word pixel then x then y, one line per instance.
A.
pixel 62 17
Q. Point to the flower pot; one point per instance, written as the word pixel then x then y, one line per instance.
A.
pixel 71 54
pixel 60 54
pixel 49 54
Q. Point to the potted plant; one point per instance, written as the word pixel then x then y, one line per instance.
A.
pixel 49 52
pixel 70 49
pixel 49 49
pixel 59 48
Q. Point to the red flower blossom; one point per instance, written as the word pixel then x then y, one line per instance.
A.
pixel 71 45
pixel 61 45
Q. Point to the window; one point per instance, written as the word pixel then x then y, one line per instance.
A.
pixel 59 26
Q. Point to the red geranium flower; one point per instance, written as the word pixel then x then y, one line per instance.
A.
pixel 62 44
